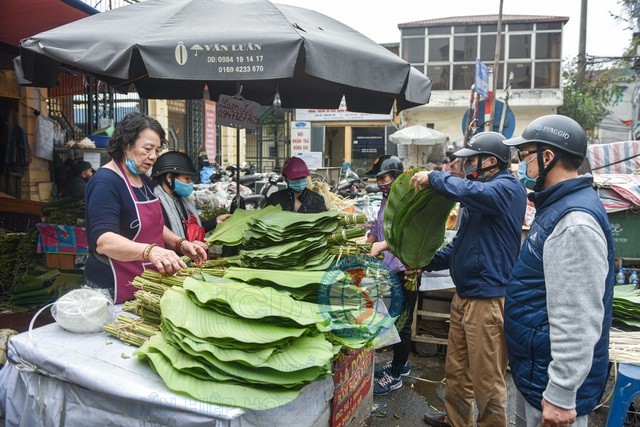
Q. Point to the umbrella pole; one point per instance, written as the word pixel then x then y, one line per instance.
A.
pixel 238 165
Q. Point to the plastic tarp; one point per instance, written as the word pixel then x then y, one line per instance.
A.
pixel 56 377
pixel 614 158
pixel 618 192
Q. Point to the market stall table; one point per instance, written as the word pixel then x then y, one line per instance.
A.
pixel 55 377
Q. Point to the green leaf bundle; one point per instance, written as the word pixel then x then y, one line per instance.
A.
pixel 414 223
pixel 232 231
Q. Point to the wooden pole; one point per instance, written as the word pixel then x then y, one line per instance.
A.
pixel 582 45
pixel 496 64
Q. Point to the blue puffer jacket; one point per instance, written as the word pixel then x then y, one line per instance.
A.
pixel 526 320
pixel 486 246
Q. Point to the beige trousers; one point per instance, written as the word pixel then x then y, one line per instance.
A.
pixel 476 362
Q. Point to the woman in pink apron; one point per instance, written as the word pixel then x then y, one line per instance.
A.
pixel 124 222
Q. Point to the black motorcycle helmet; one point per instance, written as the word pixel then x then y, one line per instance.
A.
pixel 485 145
pixel 386 164
pixel 174 162
pixel 554 130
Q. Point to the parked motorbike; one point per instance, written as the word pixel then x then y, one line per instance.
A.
pixel 246 180
pixel 218 174
pixel 351 186
pixel 372 189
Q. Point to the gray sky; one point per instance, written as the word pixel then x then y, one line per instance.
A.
pixel 379 19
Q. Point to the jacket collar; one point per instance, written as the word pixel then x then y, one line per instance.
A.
pixel 559 190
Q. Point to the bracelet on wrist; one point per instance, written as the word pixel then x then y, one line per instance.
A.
pixel 147 251
pixel 179 245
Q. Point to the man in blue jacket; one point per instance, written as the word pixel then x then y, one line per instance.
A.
pixel 559 297
pixel 480 259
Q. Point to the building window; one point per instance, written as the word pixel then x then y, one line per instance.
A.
pixel 413 49
pixel 413 32
pixel 463 76
pixel 438 30
pixel 520 46
pixel 488 47
pixel 521 74
pixel 548 45
pixel 533 51
pixel 462 29
pixel 547 75
pixel 439 74
pixel 520 27
pixel 465 48
pixel 545 26
pixel 439 49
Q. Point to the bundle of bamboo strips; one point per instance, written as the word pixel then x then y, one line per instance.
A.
pixel 624 347
pixel 331 199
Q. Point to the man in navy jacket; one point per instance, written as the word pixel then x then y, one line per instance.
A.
pixel 480 259
pixel 558 305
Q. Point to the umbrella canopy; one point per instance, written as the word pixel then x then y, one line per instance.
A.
pixel 418 135
pixel 171 49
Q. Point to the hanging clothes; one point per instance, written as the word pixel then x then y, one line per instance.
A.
pixel 18 153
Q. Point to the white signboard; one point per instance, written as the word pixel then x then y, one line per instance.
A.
pixel 44 138
pixel 237 113
pixel 313 159
pixel 339 114
pixel 300 136
pixel 93 158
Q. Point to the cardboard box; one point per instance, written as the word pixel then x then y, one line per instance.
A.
pixel 60 261
pixel 353 388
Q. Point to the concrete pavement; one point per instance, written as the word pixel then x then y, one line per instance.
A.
pixel 424 389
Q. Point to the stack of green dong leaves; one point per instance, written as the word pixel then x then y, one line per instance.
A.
pixel 274 239
pixel 256 336
pixel 626 307
pixel 414 223
pixel 251 347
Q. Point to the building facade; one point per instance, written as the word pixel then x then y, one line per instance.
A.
pixel 446 49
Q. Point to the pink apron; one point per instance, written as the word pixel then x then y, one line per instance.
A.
pixel 150 228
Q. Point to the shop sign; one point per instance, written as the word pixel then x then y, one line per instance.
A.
pixel 237 112
pixel 352 379
pixel 210 130
pixel 300 136
pixel 339 114
pixel 313 159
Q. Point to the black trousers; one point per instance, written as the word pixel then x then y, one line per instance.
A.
pixel 403 324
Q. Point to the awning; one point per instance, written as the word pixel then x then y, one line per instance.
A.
pixel 24 18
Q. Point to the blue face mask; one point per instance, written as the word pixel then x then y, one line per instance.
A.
pixel 298 185
pixel 182 189
pixel 524 179
pixel 132 167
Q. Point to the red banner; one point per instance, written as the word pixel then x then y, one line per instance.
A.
pixel 210 134
pixel 352 381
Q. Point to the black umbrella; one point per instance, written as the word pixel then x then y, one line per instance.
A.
pixel 171 49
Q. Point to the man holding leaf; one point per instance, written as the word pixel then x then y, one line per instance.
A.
pixel 480 259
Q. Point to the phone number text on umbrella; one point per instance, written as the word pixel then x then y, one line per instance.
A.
pixel 241 69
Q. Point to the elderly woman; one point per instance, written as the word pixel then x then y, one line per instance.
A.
pixel 125 229
pixel 173 178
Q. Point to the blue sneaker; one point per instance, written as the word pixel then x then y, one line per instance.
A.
pixel 379 372
pixel 386 384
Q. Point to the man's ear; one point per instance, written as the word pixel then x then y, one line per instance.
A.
pixel 547 156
